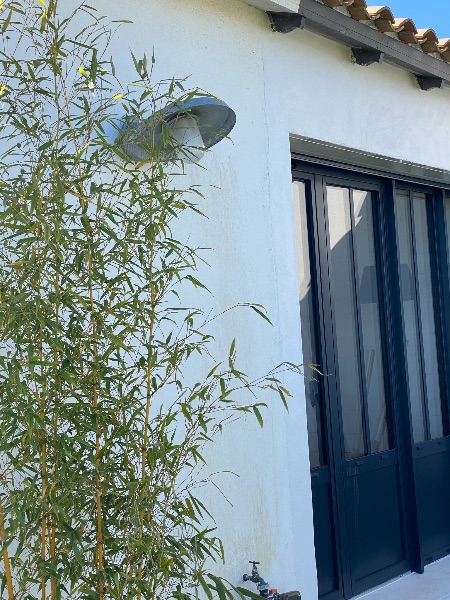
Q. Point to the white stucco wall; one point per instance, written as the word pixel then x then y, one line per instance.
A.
pixel 278 85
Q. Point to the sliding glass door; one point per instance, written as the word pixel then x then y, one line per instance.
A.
pixel 372 290
pixel 423 267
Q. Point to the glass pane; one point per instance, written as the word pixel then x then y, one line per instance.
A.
pixel 343 295
pixel 410 315
pixel 430 356
pixel 309 341
pixel 447 225
pixel 368 299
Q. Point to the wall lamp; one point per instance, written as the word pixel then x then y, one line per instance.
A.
pixel 193 126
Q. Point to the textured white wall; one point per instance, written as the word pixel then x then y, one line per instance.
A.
pixel 278 85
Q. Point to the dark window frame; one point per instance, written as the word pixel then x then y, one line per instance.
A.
pixel 386 247
pixel 393 335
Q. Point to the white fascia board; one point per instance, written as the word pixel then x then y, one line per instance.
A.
pixel 275 5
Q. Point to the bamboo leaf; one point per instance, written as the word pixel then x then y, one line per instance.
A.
pixel 258 415
pixel 204 585
pixel 7 21
pixel 258 310
pixel 243 592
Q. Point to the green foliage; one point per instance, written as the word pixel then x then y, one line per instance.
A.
pixel 101 432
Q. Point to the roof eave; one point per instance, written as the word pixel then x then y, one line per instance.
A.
pixel 333 24
pixel 431 72
pixel 290 6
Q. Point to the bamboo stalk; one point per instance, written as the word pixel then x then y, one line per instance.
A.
pixel 56 81
pixel 153 302
pixel 144 453
pixel 149 397
pixel 44 520
pixel 6 561
pixel 43 451
pixel 100 548
pixel 52 526
pixel 147 416
pixel 146 424
pixel 43 552
pixel 52 536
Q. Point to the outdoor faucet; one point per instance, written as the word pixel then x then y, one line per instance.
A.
pixel 261 584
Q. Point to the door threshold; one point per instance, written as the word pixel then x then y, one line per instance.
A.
pixel 434 584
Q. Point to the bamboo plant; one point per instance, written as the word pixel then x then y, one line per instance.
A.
pixel 101 432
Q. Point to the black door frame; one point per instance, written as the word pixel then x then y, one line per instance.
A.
pixel 386 248
pixel 341 469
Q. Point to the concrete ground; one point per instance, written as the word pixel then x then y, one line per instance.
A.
pixel 434 584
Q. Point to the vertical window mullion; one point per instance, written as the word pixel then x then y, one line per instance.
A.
pixel 382 277
pixel 418 316
pixel 439 250
pixel 361 362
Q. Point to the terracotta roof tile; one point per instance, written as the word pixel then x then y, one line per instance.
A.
pixel 428 35
pixel 444 44
pixel 334 3
pixel 384 25
pixel 403 28
pixel 444 49
pixel 364 12
pixel 428 39
pixel 405 25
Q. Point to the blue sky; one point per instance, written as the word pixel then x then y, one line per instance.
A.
pixel 425 13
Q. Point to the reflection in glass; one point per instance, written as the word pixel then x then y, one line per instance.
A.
pixel 342 292
pixel 370 319
pixel 309 342
pixel 409 306
pixel 418 316
pixel 430 356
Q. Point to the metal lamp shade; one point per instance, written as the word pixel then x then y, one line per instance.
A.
pixel 214 119
pixel 186 135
